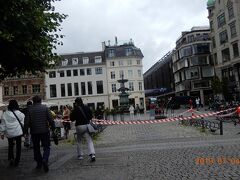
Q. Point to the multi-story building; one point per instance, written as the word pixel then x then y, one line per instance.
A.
pixel 23 88
pixel 94 77
pixel 124 61
pixel 158 80
pixel 78 74
pixel 224 21
pixel 192 65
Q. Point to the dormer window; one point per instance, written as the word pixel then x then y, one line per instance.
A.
pixel 98 59
pixel 128 51
pixel 64 62
pixel 85 60
pixel 74 61
pixel 111 53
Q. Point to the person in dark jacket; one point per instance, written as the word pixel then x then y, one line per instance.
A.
pixel 82 115
pixel 38 119
pixel 28 140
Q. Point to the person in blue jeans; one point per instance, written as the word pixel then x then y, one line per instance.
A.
pixel 39 119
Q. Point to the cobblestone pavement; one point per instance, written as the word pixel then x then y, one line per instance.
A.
pixel 136 152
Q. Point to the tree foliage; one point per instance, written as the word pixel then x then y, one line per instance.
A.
pixel 216 85
pixel 226 89
pixel 29 32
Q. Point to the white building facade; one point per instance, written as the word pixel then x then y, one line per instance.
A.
pixel 125 62
pixel 94 77
pixel 78 75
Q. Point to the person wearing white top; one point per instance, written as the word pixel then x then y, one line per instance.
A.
pixel 11 128
pixel 131 110
pixel 197 102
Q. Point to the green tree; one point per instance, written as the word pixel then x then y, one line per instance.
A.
pixel 227 93
pixel 216 85
pixel 29 32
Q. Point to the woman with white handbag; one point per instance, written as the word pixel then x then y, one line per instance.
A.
pixel 82 115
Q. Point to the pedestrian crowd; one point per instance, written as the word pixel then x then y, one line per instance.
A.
pixel 36 124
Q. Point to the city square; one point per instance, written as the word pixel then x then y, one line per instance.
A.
pixel 159 101
pixel 146 151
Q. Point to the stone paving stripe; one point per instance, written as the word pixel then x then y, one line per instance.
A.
pixel 61 161
pixel 171 145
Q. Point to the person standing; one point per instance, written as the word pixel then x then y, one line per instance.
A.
pixel 66 119
pixel 82 115
pixel 137 109
pixel 12 127
pixel 28 140
pixel 190 104
pixel 39 119
pixel 131 111
pixel 197 102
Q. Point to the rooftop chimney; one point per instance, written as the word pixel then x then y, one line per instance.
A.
pixel 103 45
pixel 108 42
pixel 131 42
pixel 116 43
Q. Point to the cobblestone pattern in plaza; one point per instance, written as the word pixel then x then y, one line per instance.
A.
pixel 153 151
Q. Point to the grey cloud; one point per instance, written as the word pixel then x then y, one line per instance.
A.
pixel 154 25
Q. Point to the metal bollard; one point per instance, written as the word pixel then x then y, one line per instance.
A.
pixel 221 127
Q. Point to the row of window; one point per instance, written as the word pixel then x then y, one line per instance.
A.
pixel 223 36
pixel 228 73
pixel 201 48
pixel 130 86
pixel 73 89
pixel 21 90
pixel 193 38
pixel 193 73
pixel 112 52
pixel 221 20
pixel 76 72
pixel 226 53
pixel 193 61
pixel 122 63
pixel 84 60
pixel 122 75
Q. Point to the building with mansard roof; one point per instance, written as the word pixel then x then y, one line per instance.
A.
pixel 124 61
pixel 93 76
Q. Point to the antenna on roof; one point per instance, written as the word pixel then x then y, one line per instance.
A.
pixel 131 41
pixel 116 42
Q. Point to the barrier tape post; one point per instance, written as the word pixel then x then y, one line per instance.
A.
pixel 221 127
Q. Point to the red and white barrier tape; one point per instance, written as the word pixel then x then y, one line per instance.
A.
pixel 110 122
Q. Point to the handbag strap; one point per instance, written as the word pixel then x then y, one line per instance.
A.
pixel 18 120
pixel 83 113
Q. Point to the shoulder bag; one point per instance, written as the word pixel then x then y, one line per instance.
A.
pixel 18 121
pixel 92 128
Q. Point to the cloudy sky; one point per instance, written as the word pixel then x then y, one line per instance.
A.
pixel 154 25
